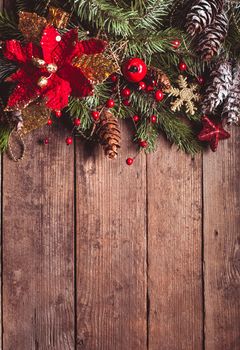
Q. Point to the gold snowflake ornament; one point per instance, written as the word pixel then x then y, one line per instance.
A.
pixel 186 96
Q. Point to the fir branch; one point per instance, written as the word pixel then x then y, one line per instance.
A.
pixel 104 15
pixel 4 137
pixel 153 14
pixel 8 28
pixel 179 133
pixel 6 69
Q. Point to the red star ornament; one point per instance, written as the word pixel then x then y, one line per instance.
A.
pixel 212 133
pixel 46 71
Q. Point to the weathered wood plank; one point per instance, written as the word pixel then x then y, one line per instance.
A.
pixel 222 245
pixel 1 8
pixel 111 251
pixel 174 250
pixel 38 231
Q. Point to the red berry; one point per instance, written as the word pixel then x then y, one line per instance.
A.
pixel 136 118
pixel 159 96
pixel 69 140
pixel 149 88
pixel 182 66
pixel 141 85
pixel 201 80
pixel 46 141
pixel 76 122
pixel 49 122
pixel 126 102
pixel 95 115
pixel 126 92
pixel 143 143
pixel 176 43
pixel 129 161
pixel 153 118
pixel 110 103
pixel 58 113
pixel 114 78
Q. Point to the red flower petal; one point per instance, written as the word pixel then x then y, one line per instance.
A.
pixel 49 44
pixel 80 85
pixel 26 89
pixel 57 93
pixel 91 46
pixel 14 51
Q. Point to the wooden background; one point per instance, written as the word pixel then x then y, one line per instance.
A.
pixel 100 256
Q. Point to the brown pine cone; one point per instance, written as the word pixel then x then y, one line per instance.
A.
pixel 160 77
pixel 212 37
pixel 202 15
pixel 109 134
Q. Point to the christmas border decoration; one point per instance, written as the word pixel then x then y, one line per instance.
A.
pixel 172 67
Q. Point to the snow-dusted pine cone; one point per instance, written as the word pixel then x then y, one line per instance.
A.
pixel 217 91
pixel 231 109
pixel 202 15
pixel 211 39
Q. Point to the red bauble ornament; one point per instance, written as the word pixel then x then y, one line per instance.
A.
pixel 126 92
pixel 126 102
pixel 69 140
pixel 114 78
pixel 159 96
pixel 153 118
pixel 46 141
pixel 77 122
pixel 58 114
pixel 212 133
pixel 141 85
pixel 143 143
pixel 136 118
pixel 129 161
pixel 134 70
pixel 95 115
pixel 182 66
pixel 176 44
pixel 49 122
pixel 110 103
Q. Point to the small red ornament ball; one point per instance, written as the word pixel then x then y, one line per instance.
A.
pixel 134 70
pixel 58 113
pixel 182 66
pixel 126 92
pixel 143 143
pixel 126 103
pixel 77 122
pixel 141 85
pixel 176 44
pixel 153 118
pixel 95 115
pixel 46 141
pixel 149 88
pixel 110 103
pixel 129 161
pixel 69 140
pixel 114 78
pixel 49 122
pixel 136 118
pixel 159 96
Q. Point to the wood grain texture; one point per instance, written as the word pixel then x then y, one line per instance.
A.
pixel 38 231
pixel 174 250
pixel 222 245
pixel 111 251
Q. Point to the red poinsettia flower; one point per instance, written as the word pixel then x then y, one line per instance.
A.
pixel 47 71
